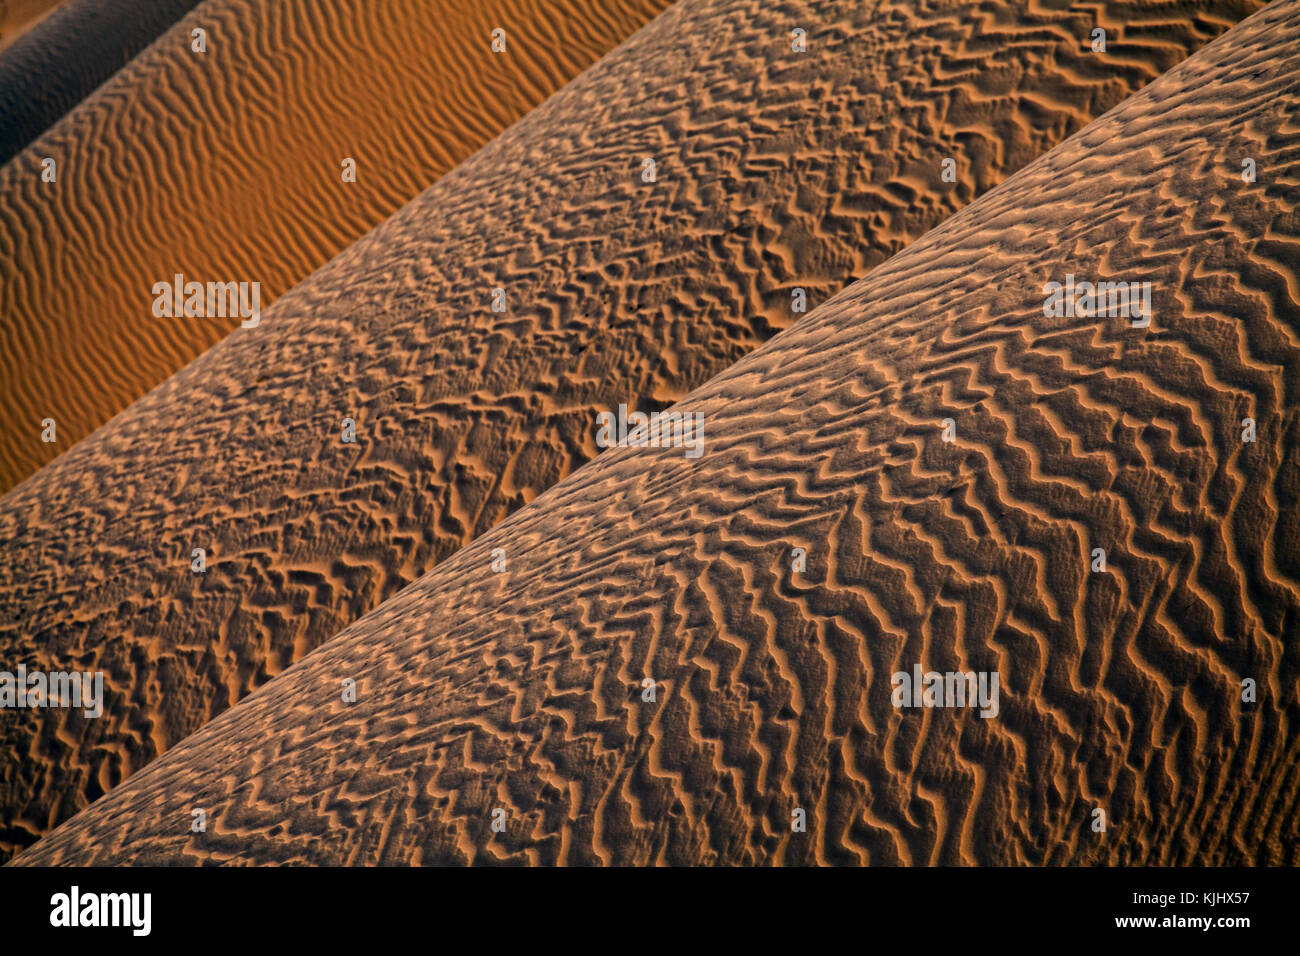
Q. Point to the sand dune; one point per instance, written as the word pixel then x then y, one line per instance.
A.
pixel 227 166
pixel 522 690
pixel 55 54
pixel 775 171
pixel 17 17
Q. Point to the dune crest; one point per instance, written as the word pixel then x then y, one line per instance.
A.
pixel 19 16
pixel 55 53
pixel 229 165
pixel 775 172
pixel 521 691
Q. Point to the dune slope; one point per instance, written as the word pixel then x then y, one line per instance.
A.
pixel 55 54
pixel 18 17
pixel 521 690
pixel 227 166
pixel 775 171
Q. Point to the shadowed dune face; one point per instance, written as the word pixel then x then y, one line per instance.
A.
pixel 775 171
pixel 227 166
pixel 1121 689
pixel 54 54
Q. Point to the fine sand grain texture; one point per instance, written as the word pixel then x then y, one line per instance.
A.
pixel 53 55
pixel 1121 689
pixel 226 166
pixel 774 171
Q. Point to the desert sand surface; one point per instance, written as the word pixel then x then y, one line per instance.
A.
pixel 227 166
pixel 54 54
pixel 19 16
pixel 775 171
pixel 521 691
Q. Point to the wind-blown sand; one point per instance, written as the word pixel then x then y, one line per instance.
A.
pixel 227 166
pixel 54 54
pixel 1121 689
pixel 775 171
